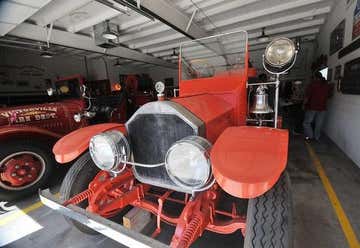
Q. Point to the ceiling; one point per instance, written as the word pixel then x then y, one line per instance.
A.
pixel 68 24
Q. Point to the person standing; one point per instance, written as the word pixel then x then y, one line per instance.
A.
pixel 315 102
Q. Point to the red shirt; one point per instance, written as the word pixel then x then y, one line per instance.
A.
pixel 317 94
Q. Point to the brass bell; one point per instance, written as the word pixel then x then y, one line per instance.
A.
pixel 261 102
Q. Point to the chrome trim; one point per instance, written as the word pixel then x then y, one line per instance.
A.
pixel 171 108
pixel 104 226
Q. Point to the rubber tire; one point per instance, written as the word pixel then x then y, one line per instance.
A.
pixel 42 149
pixel 269 218
pixel 77 179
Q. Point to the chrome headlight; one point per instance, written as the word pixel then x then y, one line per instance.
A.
pixel 280 52
pixel 110 150
pixel 187 162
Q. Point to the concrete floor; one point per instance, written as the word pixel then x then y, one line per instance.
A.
pixel 315 222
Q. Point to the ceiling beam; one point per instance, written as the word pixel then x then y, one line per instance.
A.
pixel 281 19
pixel 281 29
pixel 252 26
pixel 58 37
pixel 13 13
pixel 224 7
pixel 234 47
pixel 261 12
pixel 57 9
pixel 189 7
pixel 104 13
pixel 302 25
pixel 167 13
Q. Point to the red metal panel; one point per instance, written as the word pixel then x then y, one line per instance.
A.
pixel 216 113
pixel 26 130
pixel 230 86
pixel 72 145
pixel 54 117
pixel 247 161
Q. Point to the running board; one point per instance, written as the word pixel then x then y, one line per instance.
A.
pixel 102 225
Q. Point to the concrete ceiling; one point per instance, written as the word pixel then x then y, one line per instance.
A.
pixel 152 41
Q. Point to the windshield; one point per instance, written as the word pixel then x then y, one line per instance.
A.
pixel 212 56
pixel 68 88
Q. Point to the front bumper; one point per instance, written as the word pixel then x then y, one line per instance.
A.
pixel 102 225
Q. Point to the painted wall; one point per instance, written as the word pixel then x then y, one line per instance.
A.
pixel 25 71
pixel 97 70
pixel 343 118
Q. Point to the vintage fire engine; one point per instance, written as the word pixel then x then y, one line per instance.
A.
pixel 28 132
pixel 194 153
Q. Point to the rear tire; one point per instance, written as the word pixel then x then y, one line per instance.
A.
pixel 77 179
pixel 269 217
pixel 39 151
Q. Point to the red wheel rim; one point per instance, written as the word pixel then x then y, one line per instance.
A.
pixel 21 170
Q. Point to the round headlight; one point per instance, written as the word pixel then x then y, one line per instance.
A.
pixel 109 150
pixel 280 52
pixel 187 162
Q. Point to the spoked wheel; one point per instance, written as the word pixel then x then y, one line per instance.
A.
pixel 269 218
pixel 23 169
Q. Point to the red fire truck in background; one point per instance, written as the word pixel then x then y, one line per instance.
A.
pixel 28 132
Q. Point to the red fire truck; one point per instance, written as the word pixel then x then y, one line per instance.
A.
pixel 28 132
pixel 204 161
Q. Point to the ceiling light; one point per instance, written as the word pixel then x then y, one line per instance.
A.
pixel 117 63
pixel 263 37
pixel 46 54
pixel 175 54
pixel 108 34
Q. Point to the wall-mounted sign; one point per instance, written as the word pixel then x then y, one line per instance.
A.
pixel 356 23
pixel 337 38
pixel 350 83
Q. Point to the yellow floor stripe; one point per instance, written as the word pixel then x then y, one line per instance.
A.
pixel 21 212
pixel 343 219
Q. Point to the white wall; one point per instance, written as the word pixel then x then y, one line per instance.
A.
pixel 343 118
pixel 160 73
pixel 97 70
pixel 22 65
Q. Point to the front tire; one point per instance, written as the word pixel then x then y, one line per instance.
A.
pixel 24 168
pixel 269 217
pixel 77 179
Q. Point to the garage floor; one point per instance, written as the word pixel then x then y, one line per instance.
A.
pixel 316 224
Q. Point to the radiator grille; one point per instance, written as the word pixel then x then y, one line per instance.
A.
pixel 151 135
